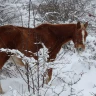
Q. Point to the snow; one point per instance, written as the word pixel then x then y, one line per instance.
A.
pixel 71 72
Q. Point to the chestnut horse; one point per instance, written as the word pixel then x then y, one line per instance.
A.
pixel 52 36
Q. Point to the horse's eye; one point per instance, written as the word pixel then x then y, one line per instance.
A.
pixel 80 41
pixel 77 34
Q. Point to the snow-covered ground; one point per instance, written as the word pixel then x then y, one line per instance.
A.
pixel 73 73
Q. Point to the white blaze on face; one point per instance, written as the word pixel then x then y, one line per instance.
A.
pixel 83 33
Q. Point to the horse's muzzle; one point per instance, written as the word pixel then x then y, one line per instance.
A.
pixel 80 48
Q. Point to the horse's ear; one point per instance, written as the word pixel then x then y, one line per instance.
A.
pixel 86 24
pixel 78 25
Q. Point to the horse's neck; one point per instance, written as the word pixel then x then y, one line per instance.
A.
pixel 63 30
pixel 63 35
pixel 54 37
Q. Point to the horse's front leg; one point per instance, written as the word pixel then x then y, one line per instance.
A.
pixel 54 52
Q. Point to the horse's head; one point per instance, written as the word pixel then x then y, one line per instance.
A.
pixel 80 36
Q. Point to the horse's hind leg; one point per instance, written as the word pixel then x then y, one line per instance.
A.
pixel 3 58
pixel 1 91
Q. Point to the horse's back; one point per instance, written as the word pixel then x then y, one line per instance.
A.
pixel 9 36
